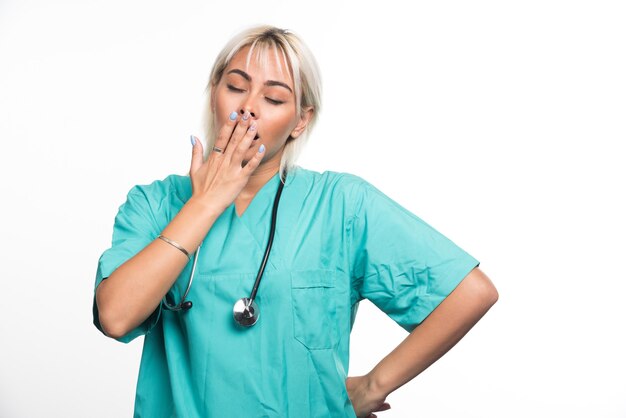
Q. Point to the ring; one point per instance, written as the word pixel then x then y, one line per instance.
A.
pixel 216 149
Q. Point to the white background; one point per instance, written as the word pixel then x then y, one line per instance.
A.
pixel 499 123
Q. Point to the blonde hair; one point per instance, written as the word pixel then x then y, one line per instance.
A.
pixel 306 80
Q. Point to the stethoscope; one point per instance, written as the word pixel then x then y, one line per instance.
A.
pixel 246 312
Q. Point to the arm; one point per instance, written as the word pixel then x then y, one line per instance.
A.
pixel 134 290
pixel 439 332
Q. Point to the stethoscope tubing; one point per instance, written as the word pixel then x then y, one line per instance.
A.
pixel 270 241
pixel 179 306
pixel 185 305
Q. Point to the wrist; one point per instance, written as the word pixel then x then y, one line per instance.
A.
pixel 377 384
pixel 203 208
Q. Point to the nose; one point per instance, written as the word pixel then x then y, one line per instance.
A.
pixel 242 111
pixel 251 102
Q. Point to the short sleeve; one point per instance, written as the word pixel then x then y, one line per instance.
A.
pixel 398 262
pixel 134 228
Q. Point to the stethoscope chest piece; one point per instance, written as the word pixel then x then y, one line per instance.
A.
pixel 245 313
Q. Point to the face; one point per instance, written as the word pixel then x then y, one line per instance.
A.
pixel 268 94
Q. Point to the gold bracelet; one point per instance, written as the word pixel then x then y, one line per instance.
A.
pixel 175 244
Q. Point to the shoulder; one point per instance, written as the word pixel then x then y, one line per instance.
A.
pixel 158 189
pixel 332 182
pixel 344 192
pixel 171 191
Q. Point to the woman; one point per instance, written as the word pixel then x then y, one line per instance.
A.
pixel 337 240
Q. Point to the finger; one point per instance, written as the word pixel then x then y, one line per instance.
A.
pixel 251 151
pixel 254 161
pixel 245 142
pixel 196 154
pixel 226 131
pixel 383 407
pixel 238 133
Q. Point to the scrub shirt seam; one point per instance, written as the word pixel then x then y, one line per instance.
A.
pixel 350 232
pixel 357 189
pixel 140 193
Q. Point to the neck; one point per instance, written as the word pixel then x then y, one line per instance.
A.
pixel 263 173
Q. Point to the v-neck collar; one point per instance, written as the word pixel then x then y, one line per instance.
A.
pixel 256 219
pixel 262 197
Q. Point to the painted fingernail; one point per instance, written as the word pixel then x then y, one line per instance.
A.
pixel 193 140
pixel 252 127
pixel 246 115
pixel 233 116
pixel 261 148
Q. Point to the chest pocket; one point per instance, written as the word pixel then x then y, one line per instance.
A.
pixel 314 308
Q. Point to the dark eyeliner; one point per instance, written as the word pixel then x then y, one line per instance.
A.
pixel 237 90
pixel 233 88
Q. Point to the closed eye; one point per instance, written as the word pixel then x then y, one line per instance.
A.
pixel 238 90
pixel 233 88
pixel 275 102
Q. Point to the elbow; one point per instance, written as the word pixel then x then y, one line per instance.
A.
pixel 492 295
pixel 110 323
pixel 484 288
pixel 111 327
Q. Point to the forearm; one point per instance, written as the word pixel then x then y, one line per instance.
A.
pixel 134 290
pixel 439 332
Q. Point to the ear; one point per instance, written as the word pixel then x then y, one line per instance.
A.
pixel 307 114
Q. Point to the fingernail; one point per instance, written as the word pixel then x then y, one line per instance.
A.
pixel 233 116
pixel 252 127
pixel 193 140
pixel 261 148
pixel 246 115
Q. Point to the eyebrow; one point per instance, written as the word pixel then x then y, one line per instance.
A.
pixel 267 83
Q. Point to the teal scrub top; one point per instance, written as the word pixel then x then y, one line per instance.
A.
pixel 338 241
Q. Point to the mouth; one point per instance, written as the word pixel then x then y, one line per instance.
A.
pixel 256 137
